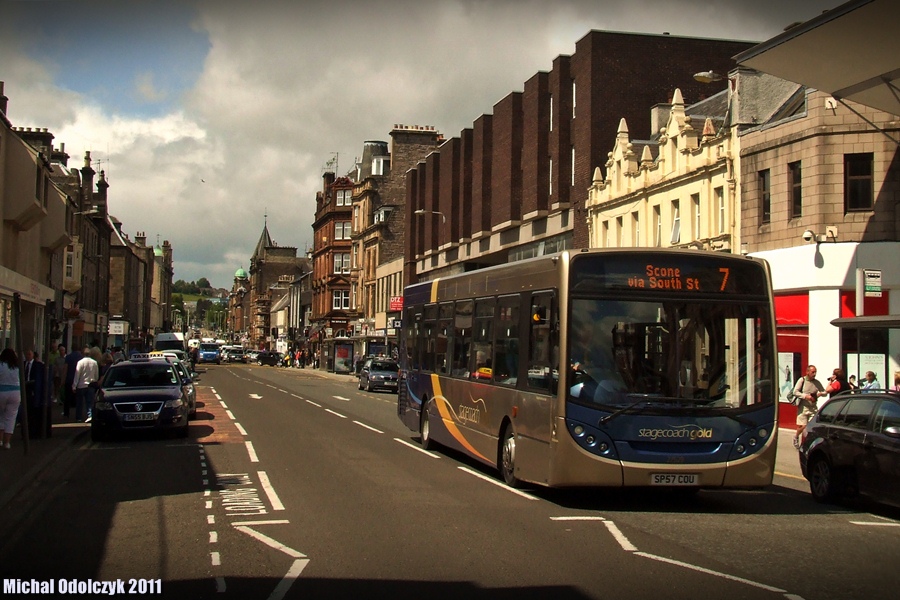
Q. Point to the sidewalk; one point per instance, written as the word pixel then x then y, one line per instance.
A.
pixel 17 467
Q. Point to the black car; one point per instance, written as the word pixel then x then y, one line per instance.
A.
pixel 143 393
pixel 379 374
pixel 852 446
pixel 269 358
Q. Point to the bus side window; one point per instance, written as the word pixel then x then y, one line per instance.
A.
pixel 462 338
pixel 428 339
pixel 505 368
pixel 483 336
pixel 539 342
pixel 444 339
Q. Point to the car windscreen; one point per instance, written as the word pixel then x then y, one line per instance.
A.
pixel 384 366
pixel 141 375
pixel 208 348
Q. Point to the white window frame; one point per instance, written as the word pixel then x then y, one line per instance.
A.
pixel 676 222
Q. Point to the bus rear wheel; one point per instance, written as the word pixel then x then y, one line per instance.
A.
pixel 425 427
pixel 508 458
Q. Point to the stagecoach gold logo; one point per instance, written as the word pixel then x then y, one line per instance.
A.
pixel 469 414
pixel 683 432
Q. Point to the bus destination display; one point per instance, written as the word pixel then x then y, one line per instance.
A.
pixel 663 274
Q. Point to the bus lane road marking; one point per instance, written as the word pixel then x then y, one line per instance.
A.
pixel 502 486
pixel 416 448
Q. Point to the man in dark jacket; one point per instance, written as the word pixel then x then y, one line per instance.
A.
pixel 36 394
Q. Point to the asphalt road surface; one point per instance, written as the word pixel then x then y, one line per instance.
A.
pixel 294 484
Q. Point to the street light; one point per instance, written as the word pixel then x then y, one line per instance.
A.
pixel 422 211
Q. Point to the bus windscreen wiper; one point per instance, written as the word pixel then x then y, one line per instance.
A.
pixel 644 399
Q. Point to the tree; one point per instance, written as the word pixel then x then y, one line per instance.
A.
pixel 203 282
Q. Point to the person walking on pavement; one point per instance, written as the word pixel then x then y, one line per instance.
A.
pixel 87 372
pixel 10 395
pixel 35 393
pixel 72 359
pixel 806 390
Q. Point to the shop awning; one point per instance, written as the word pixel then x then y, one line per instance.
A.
pixel 851 52
pixel 868 322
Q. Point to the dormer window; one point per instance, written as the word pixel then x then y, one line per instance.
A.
pixel 382 214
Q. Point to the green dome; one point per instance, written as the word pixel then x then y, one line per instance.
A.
pixel 240 274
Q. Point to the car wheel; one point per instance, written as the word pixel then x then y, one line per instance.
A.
pixel 368 385
pixel 822 483
pixel 359 384
pixel 182 431
pixel 258 362
pixel 425 428
pixel 508 457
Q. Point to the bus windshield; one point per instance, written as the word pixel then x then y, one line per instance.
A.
pixel 697 354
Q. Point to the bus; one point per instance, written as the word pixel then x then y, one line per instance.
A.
pixel 609 368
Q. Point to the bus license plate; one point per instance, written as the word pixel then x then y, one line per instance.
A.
pixel 673 479
pixel 140 416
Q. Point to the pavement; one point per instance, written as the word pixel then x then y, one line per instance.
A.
pixel 21 465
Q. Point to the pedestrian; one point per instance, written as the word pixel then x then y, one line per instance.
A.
pixel 58 372
pixel 836 383
pixel 35 394
pixel 806 390
pixel 896 387
pixel 852 382
pixel 871 382
pixel 87 372
pixel 72 359
pixel 10 395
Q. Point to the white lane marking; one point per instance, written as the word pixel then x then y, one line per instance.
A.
pixel 230 415
pixel 251 452
pixel 256 396
pixel 872 524
pixel 213 537
pixel 271 522
pixel 210 519
pixel 270 491
pixel 269 541
pixel 225 406
pixel 206 493
pixel 216 560
pixel 271 386
pixel 335 413
pixel 678 563
pixel 289 578
pixel 209 505
pixel 416 448
pixel 368 427
pixel 341 398
pixel 497 483
pixel 627 546
pixel 240 428
pixel 220 585
pixel 577 519
pixel 314 404
pixel 297 397
pixel 282 391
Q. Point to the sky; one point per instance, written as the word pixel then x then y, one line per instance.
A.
pixel 215 118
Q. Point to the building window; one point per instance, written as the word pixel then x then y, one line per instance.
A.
pixel 340 299
pixel 720 207
pixel 765 197
pixel 550 178
pixel 573 166
pixel 604 235
pixel 635 229
pixel 344 197
pixel 859 182
pixel 342 230
pixel 619 227
pixel 795 191
pixel 657 225
pixel 695 206
pixel 551 112
pixel 341 262
pixel 573 98
pixel 676 222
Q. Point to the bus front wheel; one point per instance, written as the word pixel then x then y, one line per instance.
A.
pixel 425 427
pixel 508 458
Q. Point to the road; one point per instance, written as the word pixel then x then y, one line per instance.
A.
pixel 294 484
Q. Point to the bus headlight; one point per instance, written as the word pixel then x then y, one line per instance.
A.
pixel 578 430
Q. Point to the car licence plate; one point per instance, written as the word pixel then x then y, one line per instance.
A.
pixel 140 416
pixel 673 479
